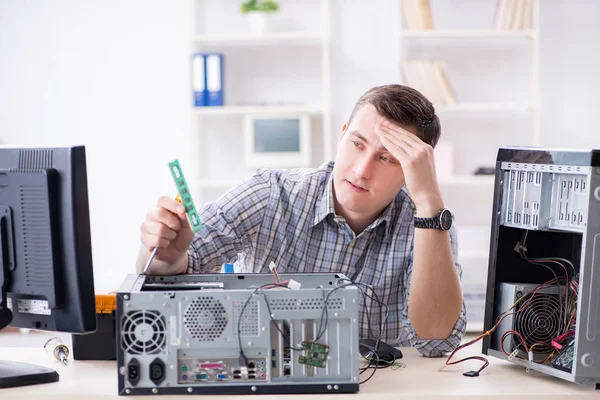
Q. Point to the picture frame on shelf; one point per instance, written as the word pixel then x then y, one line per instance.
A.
pixel 277 140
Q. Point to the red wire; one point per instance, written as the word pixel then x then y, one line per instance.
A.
pixel 480 358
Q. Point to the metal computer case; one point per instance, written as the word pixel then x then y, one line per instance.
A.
pixel 554 197
pixel 179 334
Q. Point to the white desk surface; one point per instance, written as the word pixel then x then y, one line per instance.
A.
pixel 420 379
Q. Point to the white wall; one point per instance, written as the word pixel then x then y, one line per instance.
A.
pixel 113 75
pixel 569 56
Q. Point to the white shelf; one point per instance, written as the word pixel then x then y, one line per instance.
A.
pixel 468 180
pixel 465 34
pixel 242 110
pixel 252 39
pixel 483 107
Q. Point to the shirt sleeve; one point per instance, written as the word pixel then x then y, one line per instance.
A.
pixel 436 348
pixel 231 224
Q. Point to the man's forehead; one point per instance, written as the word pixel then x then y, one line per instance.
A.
pixel 368 118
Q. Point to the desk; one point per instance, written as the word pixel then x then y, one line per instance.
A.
pixel 97 380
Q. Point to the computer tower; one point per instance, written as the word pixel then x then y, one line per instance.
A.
pixel 237 334
pixel 543 293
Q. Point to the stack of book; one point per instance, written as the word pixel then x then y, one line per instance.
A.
pixel 429 78
pixel 417 14
pixel 513 15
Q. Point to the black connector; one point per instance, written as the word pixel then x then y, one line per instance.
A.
pixel 243 360
pixel 157 371
pixel 133 372
pixel 471 374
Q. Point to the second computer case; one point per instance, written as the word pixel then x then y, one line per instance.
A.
pixel 543 293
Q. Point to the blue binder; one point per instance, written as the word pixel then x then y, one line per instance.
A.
pixel 199 80
pixel 214 78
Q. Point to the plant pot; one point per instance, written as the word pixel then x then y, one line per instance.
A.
pixel 259 22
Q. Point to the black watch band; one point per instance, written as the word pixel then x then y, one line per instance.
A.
pixel 442 220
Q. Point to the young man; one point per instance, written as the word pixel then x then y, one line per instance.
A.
pixel 376 214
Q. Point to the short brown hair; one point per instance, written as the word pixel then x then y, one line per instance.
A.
pixel 404 106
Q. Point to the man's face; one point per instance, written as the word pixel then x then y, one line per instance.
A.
pixel 367 177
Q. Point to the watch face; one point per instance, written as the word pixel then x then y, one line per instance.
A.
pixel 446 219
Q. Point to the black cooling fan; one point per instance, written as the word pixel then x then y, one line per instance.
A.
pixel 538 319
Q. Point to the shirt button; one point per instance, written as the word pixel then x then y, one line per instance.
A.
pixel 351 244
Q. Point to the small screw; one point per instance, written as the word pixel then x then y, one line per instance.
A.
pixel 336 387
pixel 328 387
pixel 126 296
pixel 253 388
pixel 190 390
pixel 127 391
pixel 154 390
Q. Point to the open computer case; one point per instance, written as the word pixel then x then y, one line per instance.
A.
pixel 542 299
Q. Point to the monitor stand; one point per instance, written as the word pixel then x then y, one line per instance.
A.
pixel 14 373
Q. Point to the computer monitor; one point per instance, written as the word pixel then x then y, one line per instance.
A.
pixel 46 276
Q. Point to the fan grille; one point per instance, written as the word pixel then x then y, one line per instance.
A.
pixel 538 321
pixel 143 332
pixel 205 319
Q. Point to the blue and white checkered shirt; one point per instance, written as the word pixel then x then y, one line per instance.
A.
pixel 288 216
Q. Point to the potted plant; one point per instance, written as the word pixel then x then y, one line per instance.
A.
pixel 258 12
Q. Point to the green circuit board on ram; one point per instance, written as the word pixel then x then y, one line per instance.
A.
pixel 185 197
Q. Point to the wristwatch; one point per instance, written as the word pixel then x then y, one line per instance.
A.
pixel 442 220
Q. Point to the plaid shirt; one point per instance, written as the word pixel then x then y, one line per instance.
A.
pixel 288 216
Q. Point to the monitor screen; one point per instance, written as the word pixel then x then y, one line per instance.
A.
pixel 46 275
pixel 276 135
pixel 277 141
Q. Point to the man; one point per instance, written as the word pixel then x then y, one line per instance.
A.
pixel 353 216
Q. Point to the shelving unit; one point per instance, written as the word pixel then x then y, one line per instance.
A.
pixel 470 197
pixel 236 42
pixel 266 109
pixel 253 39
pixel 467 34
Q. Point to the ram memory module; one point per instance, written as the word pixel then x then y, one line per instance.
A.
pixel 185 197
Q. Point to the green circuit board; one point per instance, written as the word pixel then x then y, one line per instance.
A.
pixel 316 354
pixel 185 197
